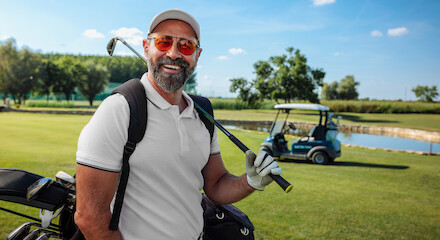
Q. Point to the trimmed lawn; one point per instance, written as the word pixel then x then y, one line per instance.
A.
pixel 366 194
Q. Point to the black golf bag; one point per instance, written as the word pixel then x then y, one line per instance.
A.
pixel 56 197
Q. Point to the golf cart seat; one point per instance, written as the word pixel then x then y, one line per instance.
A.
pixel 318 132
pixel 15 182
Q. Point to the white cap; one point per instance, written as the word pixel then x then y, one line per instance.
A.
pixel 179 15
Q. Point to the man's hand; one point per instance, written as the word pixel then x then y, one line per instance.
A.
pixel 258 167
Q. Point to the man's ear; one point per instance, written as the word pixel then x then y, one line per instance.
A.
pixel 199 51
pixel 145 46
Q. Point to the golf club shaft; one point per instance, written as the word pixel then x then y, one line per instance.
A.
pixel 52 227
pixel 277 178
pixel 284 184
pixel 135 52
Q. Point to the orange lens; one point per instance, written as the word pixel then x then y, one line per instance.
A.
pixel 163 43
pixel 187 47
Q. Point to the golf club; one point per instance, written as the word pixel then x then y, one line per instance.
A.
pixel 112 44
pixel 285 185
pixel 36 187
pixel 46 236
pixel 36 233
pixel 21 231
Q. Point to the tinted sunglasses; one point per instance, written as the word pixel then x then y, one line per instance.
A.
pixel 164 43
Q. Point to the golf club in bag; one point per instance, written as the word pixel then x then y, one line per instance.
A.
pixel 285 185
pixel 54 198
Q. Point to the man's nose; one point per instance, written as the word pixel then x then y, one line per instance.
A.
pixel 174 52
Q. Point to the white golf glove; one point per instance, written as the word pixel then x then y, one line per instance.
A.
pixel 258 167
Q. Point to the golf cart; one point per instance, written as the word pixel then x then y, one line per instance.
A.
pixel 320 145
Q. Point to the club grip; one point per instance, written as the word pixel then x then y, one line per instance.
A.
pixel 284 184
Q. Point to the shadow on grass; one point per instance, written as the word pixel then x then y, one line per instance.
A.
pixel 369 165
pixel 361 120
pixel 354 164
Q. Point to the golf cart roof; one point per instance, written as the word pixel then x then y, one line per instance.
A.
pixel 305 106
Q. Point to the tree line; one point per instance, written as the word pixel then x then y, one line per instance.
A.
pixel 24 72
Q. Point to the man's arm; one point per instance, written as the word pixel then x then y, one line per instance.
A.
pixel 94 191
pixel 221 186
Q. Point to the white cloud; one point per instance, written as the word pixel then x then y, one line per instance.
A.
pixel 323 2
pixel 222 58
pixel 236 51
pixel 127 32
pixel 337 54
pixel 137 40
pixel 376 33
pixel 395 32
pixel 133 35
pixel 92 33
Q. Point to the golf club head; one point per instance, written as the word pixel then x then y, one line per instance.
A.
pixel 48 235
pixel 65 179
pixel 38 186
pixel 22 231
pixel 111 46
pixel 34 234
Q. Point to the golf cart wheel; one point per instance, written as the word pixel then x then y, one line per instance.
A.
pixel 320 157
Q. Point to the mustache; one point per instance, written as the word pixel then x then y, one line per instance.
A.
pixel 178 61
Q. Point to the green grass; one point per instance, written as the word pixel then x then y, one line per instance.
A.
pixel 366 194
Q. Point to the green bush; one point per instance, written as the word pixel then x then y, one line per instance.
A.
pixel 381 106
pixel 39 104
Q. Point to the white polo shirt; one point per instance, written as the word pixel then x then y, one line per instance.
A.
pixel 162 199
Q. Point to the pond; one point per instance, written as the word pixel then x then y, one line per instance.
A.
pixel 359 139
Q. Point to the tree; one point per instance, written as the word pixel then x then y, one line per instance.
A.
pixel 191 83
pixel 71 71
pixel 27 72
pixel 330 91
pixel 288 77
pixel 8 58
pixel 245 91
pixel 347 88
pixel 19 71
pixel 425 93
pixel 46 83
pixel 94 82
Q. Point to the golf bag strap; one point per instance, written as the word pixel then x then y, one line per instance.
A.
pixel 206 105
pixel 134 93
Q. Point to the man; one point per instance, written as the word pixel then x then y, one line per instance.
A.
pixel 176 158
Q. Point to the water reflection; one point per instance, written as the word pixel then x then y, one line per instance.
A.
pixel 360 139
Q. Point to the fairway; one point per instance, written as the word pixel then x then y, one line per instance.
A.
pixel 366 194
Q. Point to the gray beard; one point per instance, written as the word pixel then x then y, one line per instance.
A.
pixel 170 82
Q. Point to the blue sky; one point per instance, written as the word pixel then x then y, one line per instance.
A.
pixel 389 46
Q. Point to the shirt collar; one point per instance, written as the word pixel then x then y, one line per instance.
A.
pixel 161 103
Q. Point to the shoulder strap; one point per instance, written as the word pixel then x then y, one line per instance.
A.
pixel 206 105
pixel 134 93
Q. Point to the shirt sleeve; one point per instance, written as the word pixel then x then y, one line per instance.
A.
pixel 101 142
pixel 215 146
